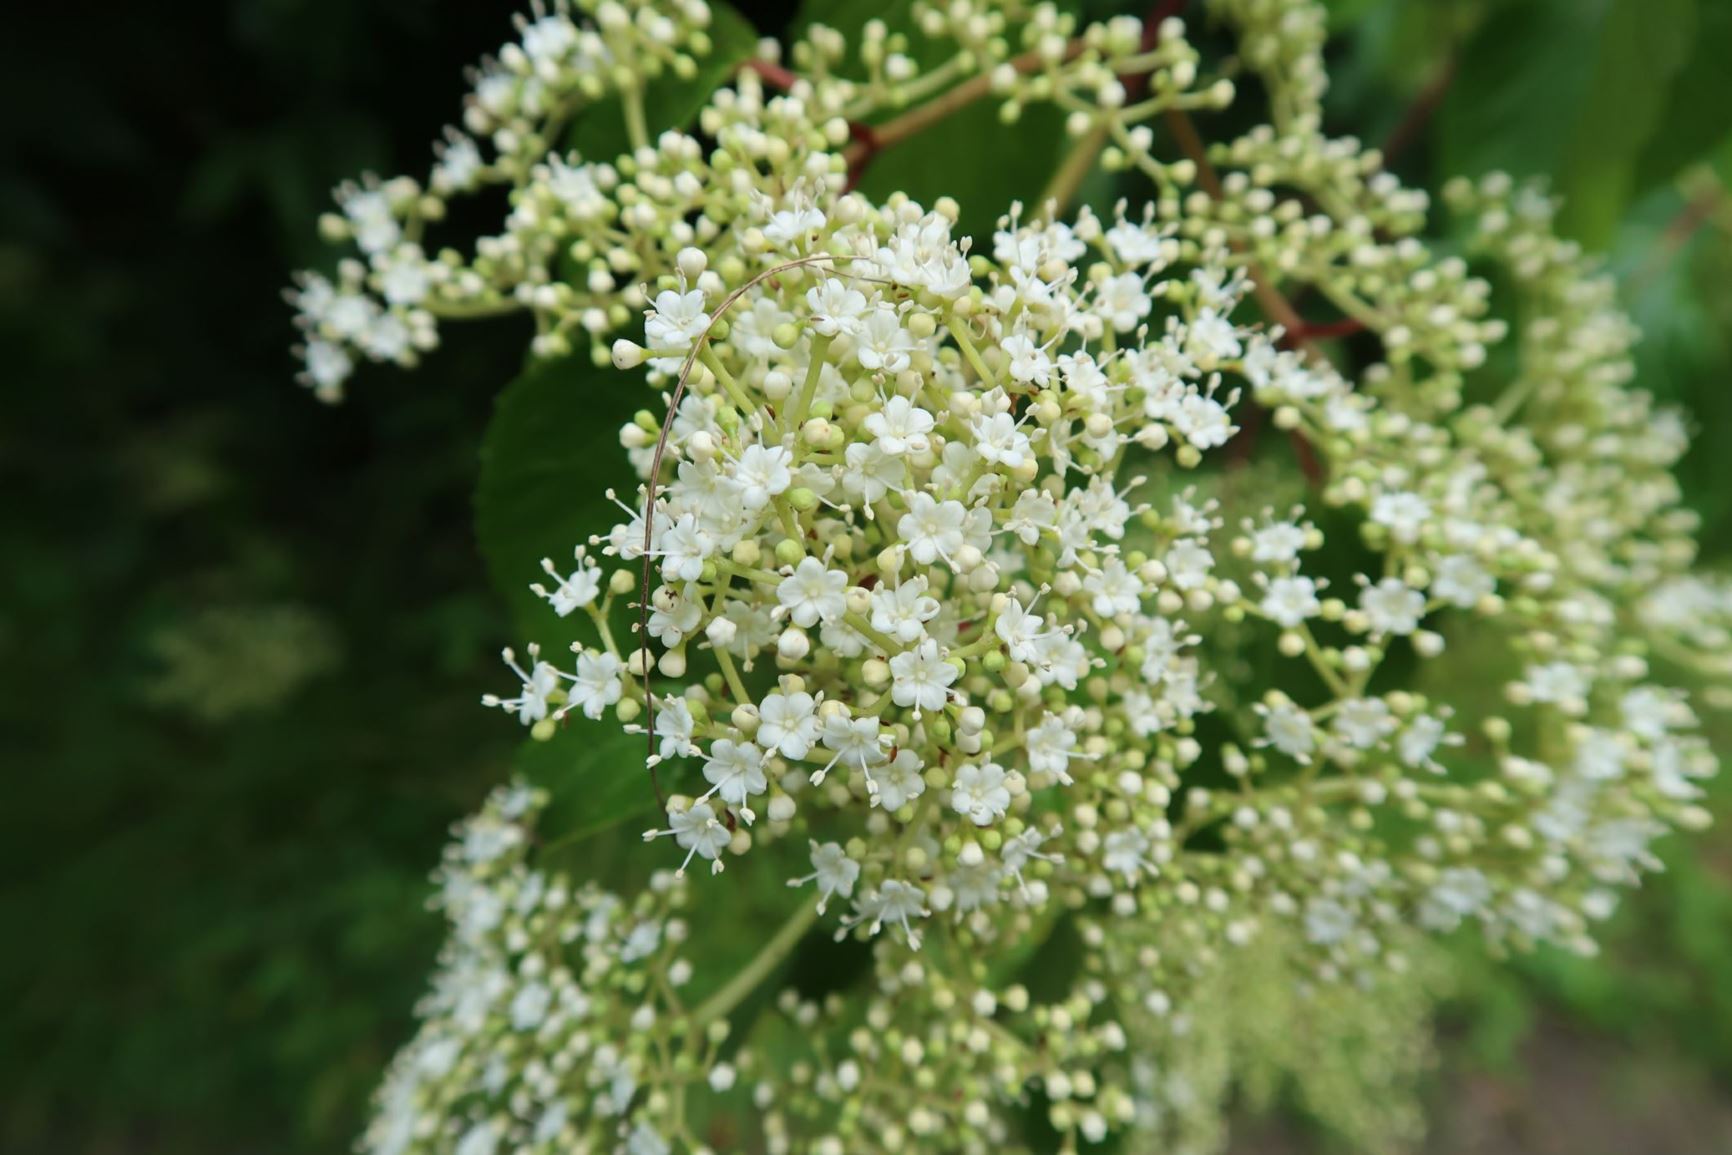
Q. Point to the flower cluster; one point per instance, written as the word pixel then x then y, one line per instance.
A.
pixel 1062 585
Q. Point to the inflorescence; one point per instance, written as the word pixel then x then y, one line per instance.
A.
pixel 961 608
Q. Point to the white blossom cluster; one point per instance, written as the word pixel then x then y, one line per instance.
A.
pixel 961 610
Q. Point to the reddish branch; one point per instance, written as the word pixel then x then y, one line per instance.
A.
pixel 1420 112
pixel 773 74
pixel 1296 331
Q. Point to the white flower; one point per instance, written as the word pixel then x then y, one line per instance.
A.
pixel 998 439
pixel 836 308
pixel 900 427
pixel 674 726
pixel 1420 740
pixel 1020 631
pixel 480 1139
pixel 1362 722
pixel 788 723
pixel 1138 245
pixel 1126 852
pixel 573 592
pixel 1327 922
pixel 893 901
pixel 1558 682
pixel 871 472
pixel 371 220
pixel 1211 339
pixel 327 366
pixel 790 226
pixel 1289 601
pixel 883 345
pixel 932 529
pixel 1033 514
pixel 833 870
pixel 578 189
pixel 902 610
pixel 1278 542
pixel 855 741
pixel 1290 730
pixel 813 593
pixel 1403 514
pixel 979 793
pixel 1600 756
pixel 531 704
pixel 1116 590
pixel 1049 748
pixel 675 616
pixel 1458 893
pixel 1029 363
pixel 920 678
pixel 683 550
pixel 597 685
pixel 1391 607
pixel 762 473
pixel 900 782
pixel 549 38
pixel 696 831
pixel 529 1007
pixel 644 1140
pixel 1123 301
pixel 735 771
pixel 1461 581
pixel 672 325
pixel 1189 564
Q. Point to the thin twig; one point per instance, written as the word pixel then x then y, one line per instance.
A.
pixel 1275 306
pixel 870 140
pixel 1420 112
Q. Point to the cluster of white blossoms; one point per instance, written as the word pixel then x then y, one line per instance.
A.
pixel 1062 585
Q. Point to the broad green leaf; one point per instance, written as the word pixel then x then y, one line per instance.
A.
pixel 1698 109
pixel 1643 44
pixel 975 158
pixel 1520 82
pixel 1573 90
pixel 596 776
pixel 550 454
pixel 669 102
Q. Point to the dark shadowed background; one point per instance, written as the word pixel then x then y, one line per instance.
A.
pixel 242 634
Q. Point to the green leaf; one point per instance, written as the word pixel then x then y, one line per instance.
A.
pixel 549 456
pixel 595 774
pixel 1643 44
pixel 975 158
pixel 669 102
pixel 1574 90
pixel 1519 83
pixel 1698 108
pixel 970 155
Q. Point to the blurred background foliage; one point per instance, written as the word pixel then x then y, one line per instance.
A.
pixel 242 635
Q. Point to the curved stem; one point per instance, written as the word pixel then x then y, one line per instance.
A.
pixel 756 971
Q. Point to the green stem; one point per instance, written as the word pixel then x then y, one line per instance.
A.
pixel 636 131
pixel 881 640
pixel 732 676
pixel 728 384
pixel 754 972
pixel 1078 163
pixel 972 354
pixel 809 388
